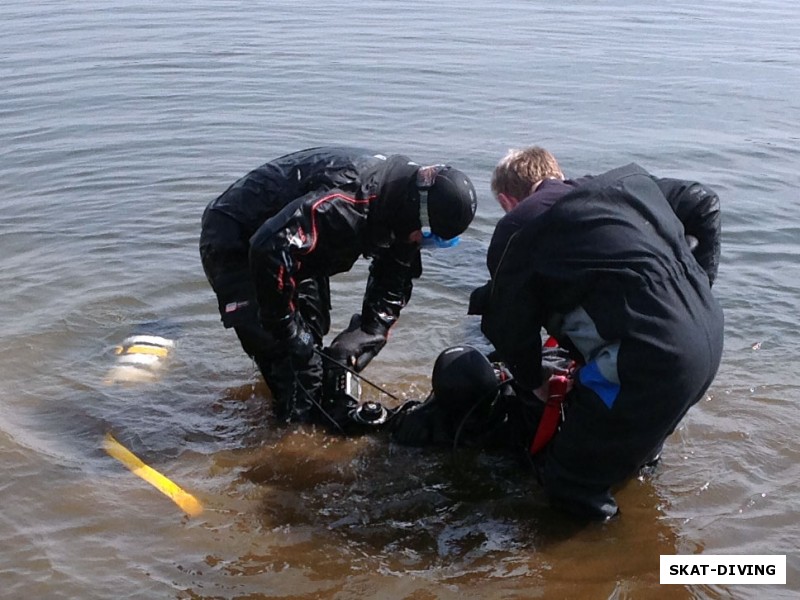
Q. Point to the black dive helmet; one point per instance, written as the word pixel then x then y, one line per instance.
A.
pixel 447 204
pixel 463 377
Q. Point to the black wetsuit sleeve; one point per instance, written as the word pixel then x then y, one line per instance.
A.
pixel 698 208
pixel 273 263
pixel 389 286
pixel 318 234
pixel 513 315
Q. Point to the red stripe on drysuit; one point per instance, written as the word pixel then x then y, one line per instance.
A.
pixel 321 201
pixel 314 209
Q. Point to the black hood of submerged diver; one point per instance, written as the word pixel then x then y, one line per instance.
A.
pixel 394 213
pixel 462 376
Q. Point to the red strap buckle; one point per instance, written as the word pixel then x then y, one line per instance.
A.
pixel 558 386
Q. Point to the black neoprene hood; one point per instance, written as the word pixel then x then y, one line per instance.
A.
pixel 452 202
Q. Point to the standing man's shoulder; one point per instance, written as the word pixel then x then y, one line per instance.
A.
pixel 549 192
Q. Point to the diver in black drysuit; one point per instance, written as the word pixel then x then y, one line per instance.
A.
pixel 271 241
pixel 604 265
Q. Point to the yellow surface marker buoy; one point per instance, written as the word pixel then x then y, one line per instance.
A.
pixel 188 503
pixel 140 358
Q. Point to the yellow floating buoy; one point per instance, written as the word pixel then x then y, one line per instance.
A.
pixel 140 358
pixel 188 503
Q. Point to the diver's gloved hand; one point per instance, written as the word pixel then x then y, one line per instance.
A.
pixel 296 337
pixel 555 360
pixel 356 346
pixel 526 376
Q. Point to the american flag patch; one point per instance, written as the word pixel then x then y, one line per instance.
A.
pixel 234 306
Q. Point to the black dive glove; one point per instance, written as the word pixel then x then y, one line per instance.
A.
pixel 296 337
pixel 355 346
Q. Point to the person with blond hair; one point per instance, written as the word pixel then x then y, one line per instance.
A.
pixel 518 172
pixel 605 266
pixel 616 270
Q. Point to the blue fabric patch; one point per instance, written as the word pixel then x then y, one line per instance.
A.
pixel 591 377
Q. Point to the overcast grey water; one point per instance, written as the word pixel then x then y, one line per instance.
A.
pixel 120 121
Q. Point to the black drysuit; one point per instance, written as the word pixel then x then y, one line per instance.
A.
pixel 603 265
pixel 270 242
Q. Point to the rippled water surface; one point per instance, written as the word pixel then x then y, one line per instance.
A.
pixel 119 121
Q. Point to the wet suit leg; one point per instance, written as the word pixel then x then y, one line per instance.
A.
pixel 599 447
pixel 223 251
pixel 586 457
pixel 297 388
pixel 224 247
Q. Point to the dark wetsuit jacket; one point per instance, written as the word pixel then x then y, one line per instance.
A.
pixel 311 214
pixel 589 260
pixel 603 265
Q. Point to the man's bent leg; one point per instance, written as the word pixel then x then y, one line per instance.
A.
pixel 599 447
pixel 296 389
pixel 590 453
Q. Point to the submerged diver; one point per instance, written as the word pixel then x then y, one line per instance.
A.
pixel 271 241
pixel 618 269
